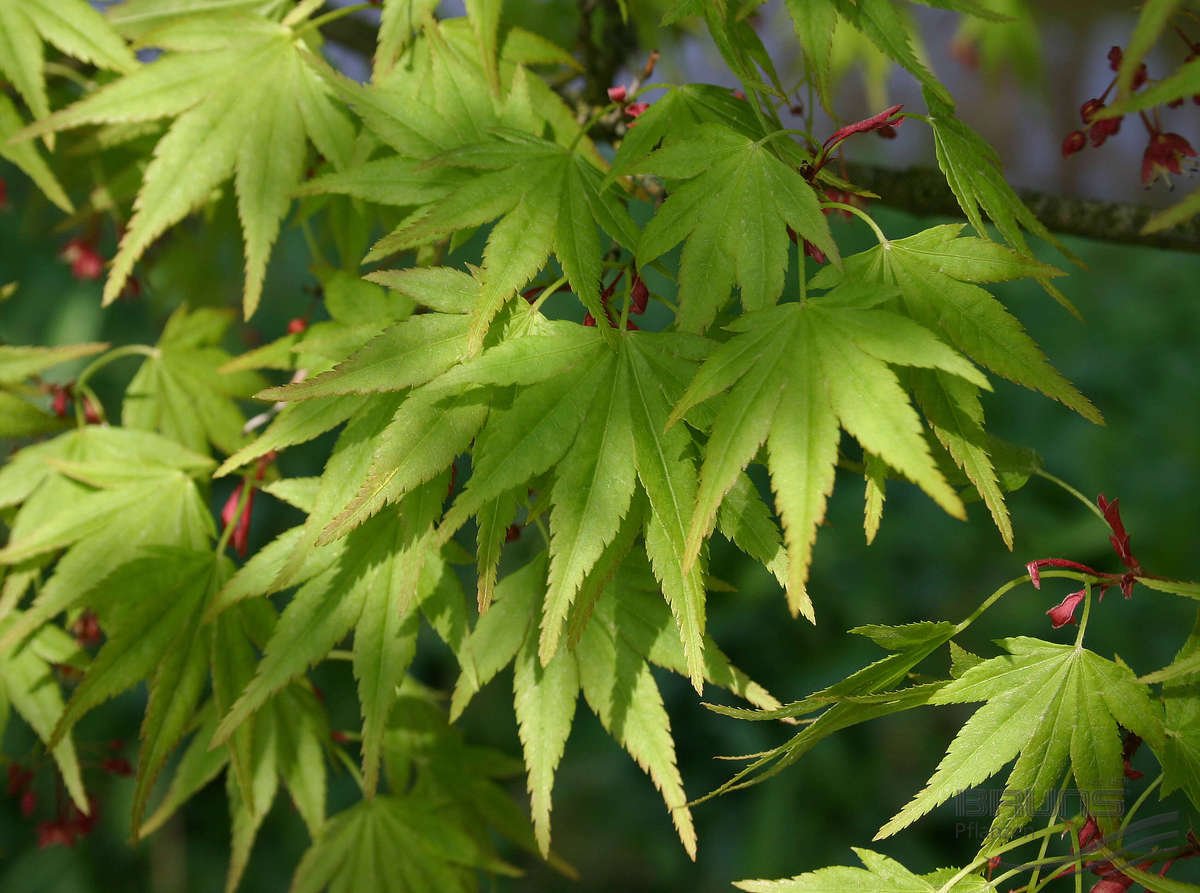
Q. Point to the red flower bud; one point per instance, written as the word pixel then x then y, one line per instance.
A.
pixel 28 803
pixel 1115 56
pixel 1088 110
pixel 297 325
pixel 1074 142
pixel 512 533
pixel 3 195
pixel 1064 612
pixel 18 778
pixel 616 94
pixel 1102 130
pixel 635 109
pixel 588 319
pixel 61 400
pixel 86 263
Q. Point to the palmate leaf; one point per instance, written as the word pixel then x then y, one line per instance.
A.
pixel 734 209
pixel 356 850
pixel 626 629
pixel 27 683
pixel 937 273
pixel 180 391
pixel 150 609
pixel 581 408
pixel 374 582
pixel 549 199
pixel 881 875
pixel 1180 754
pixel 1049 706
pixel 127 490
pixel 245 103
pixel 72 26
pixel 799 373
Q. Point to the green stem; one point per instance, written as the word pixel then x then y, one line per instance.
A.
pixel 547 292
pixel 1087 610
pixel 862 215
pixel 1092 507
pixel 103 360
pixel 1137 804
pixel 1041 856
pixel 980 860
pixel 331 16
pixel 243 499
pixel 1013 584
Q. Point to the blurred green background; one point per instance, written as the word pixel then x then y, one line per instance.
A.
pixel 1135 356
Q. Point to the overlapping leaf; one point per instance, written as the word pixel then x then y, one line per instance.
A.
pixel 72 26
pixel 733 208
pixel 181 392
pixel 626 628
pixel 245 102
pixel 937 273
pixel 1049 706
pixel 549 199
pixel 799 373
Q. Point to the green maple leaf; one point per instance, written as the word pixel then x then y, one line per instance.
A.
pixel 180 390
pixel 865 694
pixel 289 739
pixel 893 33
pixel 1049 706
pixel 628 628
pixel 973 173
pixel 881 875
pixel 245 102
pixel 734 209
pixel 72 26
pixel 548 198
pixel 938 274
pixel 356 850
pixel 585 410
pixel 1180 753
pixel 27 158
pixel 27 683
pixel 150 609
pixel 372 582
pixel 799 373
pixel 126 489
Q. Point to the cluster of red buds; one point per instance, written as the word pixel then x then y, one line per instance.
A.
pixel 1064 612
pixel 86 262
pixel 639 298
pixel 229 513
pixel 69 823
pixel 61 396
pixel 1112 879
pixel 1165 151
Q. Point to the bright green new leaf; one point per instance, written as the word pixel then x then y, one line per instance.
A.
pixel 1180 753
pixel 733 208
pixel 356 850
pixel 245 103
pixel 26 156
pixel 72 26
pixel 799 373
pixel 881 875
pixel 179 390
pixel 973 173
pixel 549 199
pixel 1049 706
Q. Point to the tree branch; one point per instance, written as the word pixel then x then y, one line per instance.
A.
pixel 923 192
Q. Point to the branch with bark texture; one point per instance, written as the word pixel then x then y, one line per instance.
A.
pixel 918 191
pixel 923 192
